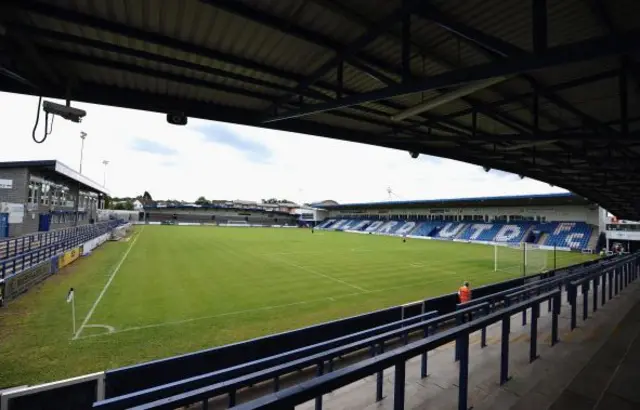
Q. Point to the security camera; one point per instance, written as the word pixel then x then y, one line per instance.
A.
pixel 414 154
pixel 486 169
pixel 177 118
pixel 64 111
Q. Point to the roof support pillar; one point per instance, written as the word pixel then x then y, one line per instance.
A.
pixel 539 24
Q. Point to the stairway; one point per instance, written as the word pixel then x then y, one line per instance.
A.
pixel 543 238
pixel 593 241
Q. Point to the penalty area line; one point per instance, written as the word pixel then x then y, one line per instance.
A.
pixel 106 286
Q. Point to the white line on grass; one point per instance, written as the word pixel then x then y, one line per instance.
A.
pixel 313 271
pixel 271 307
pixel 106 286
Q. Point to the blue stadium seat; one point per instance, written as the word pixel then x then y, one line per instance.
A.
pixel 573 235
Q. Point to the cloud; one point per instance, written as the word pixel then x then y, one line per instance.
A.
pixel 220 134
pixel 152 147
pixel 226 161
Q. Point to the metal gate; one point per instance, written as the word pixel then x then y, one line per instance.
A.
pixel 4 225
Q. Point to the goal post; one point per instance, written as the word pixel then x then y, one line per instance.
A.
pixel 520 259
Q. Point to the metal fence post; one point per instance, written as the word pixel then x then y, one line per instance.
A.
pixel 319 372
pixel 504 352
pixel 533 346
pixel 398 386
pixel 571 290
pixel 611 284
pixel 232 398
pixel 379 377
pixel 585 300
pixel 596 280
pixel 459 321
pixel 423 359
pixel 554 319
pixel 463 380
pixel 603 289
pixel 483 332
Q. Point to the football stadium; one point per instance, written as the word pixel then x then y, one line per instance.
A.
pixel 487 302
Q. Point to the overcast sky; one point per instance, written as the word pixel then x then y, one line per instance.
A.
pixel 224 161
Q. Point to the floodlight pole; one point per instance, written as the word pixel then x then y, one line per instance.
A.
pixel 104 176
pixel 83 135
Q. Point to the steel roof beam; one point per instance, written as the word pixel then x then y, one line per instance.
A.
pixel 404 39
pixel 97 23
pixel 598 47
pixel 342 52
pixel 601 12
pixel 345 53
pixel 75 17
pixel 539 13
pixel 500 48
pixel 553 88
pixel 135 69
pixel 287 27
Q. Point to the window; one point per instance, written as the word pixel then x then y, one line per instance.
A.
pixel 45 188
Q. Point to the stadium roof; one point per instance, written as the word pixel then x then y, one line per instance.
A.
pixel 511 200
pixel 557 98
pixel 59 168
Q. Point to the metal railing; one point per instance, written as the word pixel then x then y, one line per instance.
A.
pixel 486 311
pixel 616 277
pixel 60 242
pixel 326 383
pixel 15 246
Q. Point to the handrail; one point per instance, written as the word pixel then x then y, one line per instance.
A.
pixel 29 258
pixel 326 383
pixel 620 274
pixel 26 242
pixel 228 381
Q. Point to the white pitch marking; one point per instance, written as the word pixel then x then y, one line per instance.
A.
pixel 110 329
pixel 106 286
pixel 313 271
pixel 264 308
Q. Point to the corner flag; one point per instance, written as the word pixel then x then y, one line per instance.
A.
pixel 70 295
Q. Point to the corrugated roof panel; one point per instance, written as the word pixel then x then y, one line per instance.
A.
pixel 330 119
pixel 510 23
pixel 624 13
pixel 570 21
pixel 455 51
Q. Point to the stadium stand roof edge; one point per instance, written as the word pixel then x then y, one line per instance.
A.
pixel 60 168
pixel 562 198
pixel 555 102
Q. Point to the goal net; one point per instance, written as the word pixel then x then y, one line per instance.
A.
pixel 520 259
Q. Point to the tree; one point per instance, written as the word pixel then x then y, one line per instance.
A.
pixel 202 201
pixel 146 198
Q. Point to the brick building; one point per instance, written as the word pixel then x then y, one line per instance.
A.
pixel 45 195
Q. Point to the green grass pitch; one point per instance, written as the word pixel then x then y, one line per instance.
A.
pixel 179 289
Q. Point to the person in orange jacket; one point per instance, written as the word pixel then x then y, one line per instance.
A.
pixel 464 293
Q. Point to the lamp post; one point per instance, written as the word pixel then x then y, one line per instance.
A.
pixel 83 135
pixel 104 177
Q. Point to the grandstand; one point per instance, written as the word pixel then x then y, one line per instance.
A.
pixel 218 215
pixel 563 221
pixel 230 317
pixel 38 196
